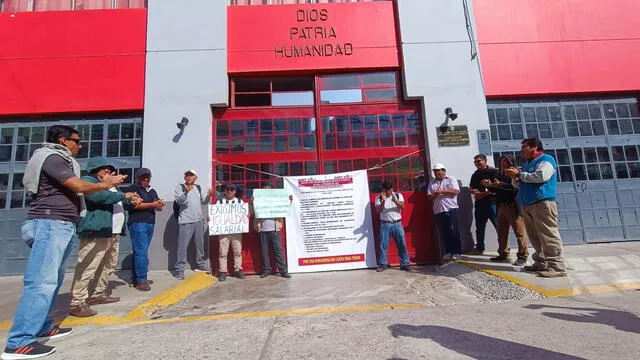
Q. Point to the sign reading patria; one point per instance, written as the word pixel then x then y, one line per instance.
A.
pixel 313 26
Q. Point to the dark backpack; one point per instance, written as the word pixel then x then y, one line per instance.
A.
pixel 176 206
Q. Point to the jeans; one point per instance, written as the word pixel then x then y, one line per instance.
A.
pixel 397 231
pixel 482 215
pixel 51 242
pixel 448 229
pixel 141 235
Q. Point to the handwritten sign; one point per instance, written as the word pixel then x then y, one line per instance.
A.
pixel 228 219
pixel 271 203
pixel 451 136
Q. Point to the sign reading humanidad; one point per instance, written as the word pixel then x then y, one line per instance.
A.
pixel 312 25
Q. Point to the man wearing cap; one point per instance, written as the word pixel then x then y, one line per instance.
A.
pixel 389 205
pixel 190 199
pixel 235 240
pixel 141 223
pixel 444 190
pixel 99 231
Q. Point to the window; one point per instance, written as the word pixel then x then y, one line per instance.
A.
pixel 272 92
pixel 265 135
pixel 358 88
pixel 626 161
pixel 403 173
pixel 561 155
pixel 370 131
pixel 117 137
pixel 56 5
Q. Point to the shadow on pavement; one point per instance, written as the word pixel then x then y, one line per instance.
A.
pixel 621 320
pixel 475 345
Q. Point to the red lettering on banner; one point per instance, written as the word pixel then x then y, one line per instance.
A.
pixel 325 260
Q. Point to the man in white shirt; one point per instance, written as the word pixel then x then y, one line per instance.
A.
pixel 389 205
pixel 444 190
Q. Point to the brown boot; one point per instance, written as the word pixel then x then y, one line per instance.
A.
pixel 102 300
pixel 82 311
pixel 143 286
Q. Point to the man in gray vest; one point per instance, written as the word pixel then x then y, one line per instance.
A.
pixel 190 198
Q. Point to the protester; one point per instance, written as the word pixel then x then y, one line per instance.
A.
pixel 389 205
pixel 189 199
pixel 509 214
pixel 444 190
pixel 99 231
pixel 142 219
pixel 52 179
pixel 537 181
pixel 270 237
pixel 234 239
pixel 485 200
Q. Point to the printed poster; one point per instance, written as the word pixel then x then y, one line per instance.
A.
pixel 329 226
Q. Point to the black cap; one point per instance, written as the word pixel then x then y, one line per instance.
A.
pixel 386 185
pixel 143 171
pixel 229 187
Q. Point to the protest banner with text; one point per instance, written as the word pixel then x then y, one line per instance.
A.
pixel 271 203
pixel 232 218
pixel 329 226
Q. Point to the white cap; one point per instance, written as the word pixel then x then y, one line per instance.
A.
pixel 191 171
pixel 439 166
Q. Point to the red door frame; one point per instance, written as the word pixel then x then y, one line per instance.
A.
pixel 417 219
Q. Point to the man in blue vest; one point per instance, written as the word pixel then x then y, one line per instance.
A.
pixel 537 181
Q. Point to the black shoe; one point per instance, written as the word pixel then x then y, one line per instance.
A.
pixel 265 274
pixel 501 258
pixel 222 277
pixel 55 333
pixel 31 351
pixel 285 275
pixel 381 268
pixel 239 274
pixel 405 268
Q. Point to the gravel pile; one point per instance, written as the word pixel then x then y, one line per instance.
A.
pixel 490 288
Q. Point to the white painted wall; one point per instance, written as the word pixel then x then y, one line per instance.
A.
pixel 439 70
pixel 186 73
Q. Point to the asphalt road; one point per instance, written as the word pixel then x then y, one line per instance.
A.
pixel 603 326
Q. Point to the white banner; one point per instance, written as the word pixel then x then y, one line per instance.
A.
pixel 230 218
pixel 329 226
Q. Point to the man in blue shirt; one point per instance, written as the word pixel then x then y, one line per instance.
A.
pixel 537 181
pixel 141 223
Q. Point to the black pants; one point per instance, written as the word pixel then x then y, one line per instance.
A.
pixel 273 239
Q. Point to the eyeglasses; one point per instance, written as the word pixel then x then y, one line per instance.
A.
pixel 77 141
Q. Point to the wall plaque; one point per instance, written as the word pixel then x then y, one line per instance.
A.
pixel 451 136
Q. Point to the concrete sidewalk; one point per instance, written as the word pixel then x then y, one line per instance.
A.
pixel 591 268
pixel 132 304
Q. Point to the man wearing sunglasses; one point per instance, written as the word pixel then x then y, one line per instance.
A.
pixel 485 200
pixel 52 179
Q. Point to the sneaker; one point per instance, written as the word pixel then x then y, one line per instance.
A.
pixel 520 262
pixel 285 275
pixel 206 271
pixel 97 300
pixel 222 277
pixel 381 268
pixel 265 274
pixel 143 286
pixel 239 274
pixel 456 256
pixel 405 268
pixel 475 251
pixel 552 273
pixel 83 310
pixel 447 256
pixel 534 268
pixel 55 333
pixel 501 258
pixel 179 276
pixel 32 351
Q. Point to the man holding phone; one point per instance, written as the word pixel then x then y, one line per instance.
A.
pixel 389 205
